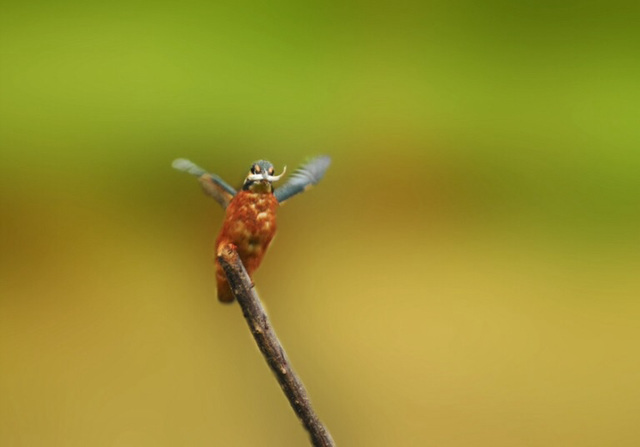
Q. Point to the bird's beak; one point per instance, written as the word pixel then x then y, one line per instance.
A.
pixel 266 177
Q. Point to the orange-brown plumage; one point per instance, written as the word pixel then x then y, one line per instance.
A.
pixel 249 224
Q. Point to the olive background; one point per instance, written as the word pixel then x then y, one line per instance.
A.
pixel 465 274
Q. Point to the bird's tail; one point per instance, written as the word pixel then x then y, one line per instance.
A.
pixel 225 295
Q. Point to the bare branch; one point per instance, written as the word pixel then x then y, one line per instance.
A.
pixel 271 347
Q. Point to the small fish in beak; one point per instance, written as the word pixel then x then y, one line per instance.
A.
pixel 264 175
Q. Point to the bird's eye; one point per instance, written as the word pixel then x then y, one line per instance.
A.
pixel 270 171
pixel 257 169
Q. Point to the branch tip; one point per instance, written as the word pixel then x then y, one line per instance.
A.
pixel 270 346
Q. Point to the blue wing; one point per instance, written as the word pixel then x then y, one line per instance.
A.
pixel 211 184
pixel 303 178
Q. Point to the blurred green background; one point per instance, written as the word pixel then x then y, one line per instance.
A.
pixel 465 274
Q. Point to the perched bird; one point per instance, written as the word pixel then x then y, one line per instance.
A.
pixel 250 216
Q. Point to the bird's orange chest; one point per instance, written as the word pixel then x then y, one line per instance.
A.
pixel 249 224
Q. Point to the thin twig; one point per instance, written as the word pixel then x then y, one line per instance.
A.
pixel 271 347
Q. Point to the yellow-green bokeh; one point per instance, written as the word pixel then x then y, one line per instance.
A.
pixel 466 274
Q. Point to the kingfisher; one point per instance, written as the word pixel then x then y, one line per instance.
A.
pixel 250 214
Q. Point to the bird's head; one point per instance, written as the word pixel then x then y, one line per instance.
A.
pixel 261 176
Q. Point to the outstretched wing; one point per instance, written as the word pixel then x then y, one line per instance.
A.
pixel 303 178
pixel 211 184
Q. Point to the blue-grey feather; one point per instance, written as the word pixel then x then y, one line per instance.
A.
pixel 213 185
pixel 304 177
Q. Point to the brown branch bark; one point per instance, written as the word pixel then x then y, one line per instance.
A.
pixel 271 347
